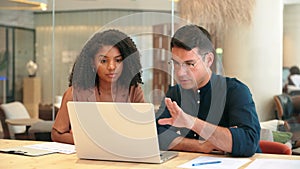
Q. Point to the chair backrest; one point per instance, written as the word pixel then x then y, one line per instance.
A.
pixel 296 103
pixel 271 147
pixel 294 92
pixel 284 106
pixel 15 110
pixel 4 125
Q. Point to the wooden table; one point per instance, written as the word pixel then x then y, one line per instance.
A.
pixel 63 161
pixel 22 122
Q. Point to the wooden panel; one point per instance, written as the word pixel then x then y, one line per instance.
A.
pixel 161 74
pixel 32 95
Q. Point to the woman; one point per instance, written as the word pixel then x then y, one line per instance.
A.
pixel 108 69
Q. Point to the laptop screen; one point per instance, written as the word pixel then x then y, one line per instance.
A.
pixel 114 131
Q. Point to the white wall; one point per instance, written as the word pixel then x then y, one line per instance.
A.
pixel 291 36
pixel 254 55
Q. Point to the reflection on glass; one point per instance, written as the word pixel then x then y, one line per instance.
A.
pixel 150 29
pixel 76 21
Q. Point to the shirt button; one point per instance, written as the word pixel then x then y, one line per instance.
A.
pixel 198 91
pixel 198 101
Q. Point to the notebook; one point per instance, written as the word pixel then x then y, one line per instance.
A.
pixel 116 132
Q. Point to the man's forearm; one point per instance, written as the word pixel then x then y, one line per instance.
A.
pixel 184 144
pixel 192 145
pixel 218 136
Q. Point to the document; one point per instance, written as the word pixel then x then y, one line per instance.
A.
pixel 215 162
pixel 41 149
pixel 54 147
pixel 274 164
pixel 25 151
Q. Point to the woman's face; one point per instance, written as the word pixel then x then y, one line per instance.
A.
pixel 109 63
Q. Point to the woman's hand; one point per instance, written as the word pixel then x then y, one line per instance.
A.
pixel 178 117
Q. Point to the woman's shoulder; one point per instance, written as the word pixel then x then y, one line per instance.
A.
pixel 69 93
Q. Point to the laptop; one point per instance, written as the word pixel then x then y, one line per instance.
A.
pixel 116 132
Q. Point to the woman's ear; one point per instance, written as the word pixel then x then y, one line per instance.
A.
pixel 94 65
pixel 209 59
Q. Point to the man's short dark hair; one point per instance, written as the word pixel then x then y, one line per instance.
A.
pixel 192 36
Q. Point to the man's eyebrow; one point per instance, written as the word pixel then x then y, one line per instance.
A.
pixel 185 61
pixel 189 60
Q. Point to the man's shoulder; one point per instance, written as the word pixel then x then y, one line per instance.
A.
pixel 238 90
pixel 234 83
pixel 234 86
pixel 231 82
pixel 238 93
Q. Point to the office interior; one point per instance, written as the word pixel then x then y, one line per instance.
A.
pixel 257 44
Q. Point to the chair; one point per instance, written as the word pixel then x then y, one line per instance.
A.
pixel 287 109
pixel 294 93
pixel 40 130
pixel 284 106
pixel 14 110
pixel 4 125
pixel 296 104
pixel 270 147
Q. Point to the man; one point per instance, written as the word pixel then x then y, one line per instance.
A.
pixel 205 112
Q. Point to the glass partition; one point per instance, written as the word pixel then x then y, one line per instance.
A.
pixel 53 39
pixel 17 49
pixel 58 33
pixel 149 24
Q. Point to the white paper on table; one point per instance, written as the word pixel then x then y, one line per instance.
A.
pixel 54 147
pixel 274 164
pixel 229 162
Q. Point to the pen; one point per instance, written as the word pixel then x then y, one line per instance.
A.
pixel 204 163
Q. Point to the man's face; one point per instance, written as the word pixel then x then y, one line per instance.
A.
pixel 191 69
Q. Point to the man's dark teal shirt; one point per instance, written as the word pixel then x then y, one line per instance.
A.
pixel 223 101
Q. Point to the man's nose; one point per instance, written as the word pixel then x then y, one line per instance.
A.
pixel 181 71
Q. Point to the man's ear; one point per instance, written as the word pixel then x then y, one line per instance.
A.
pixel 209 59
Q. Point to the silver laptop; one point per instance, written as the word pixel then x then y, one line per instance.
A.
pixel 116 132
